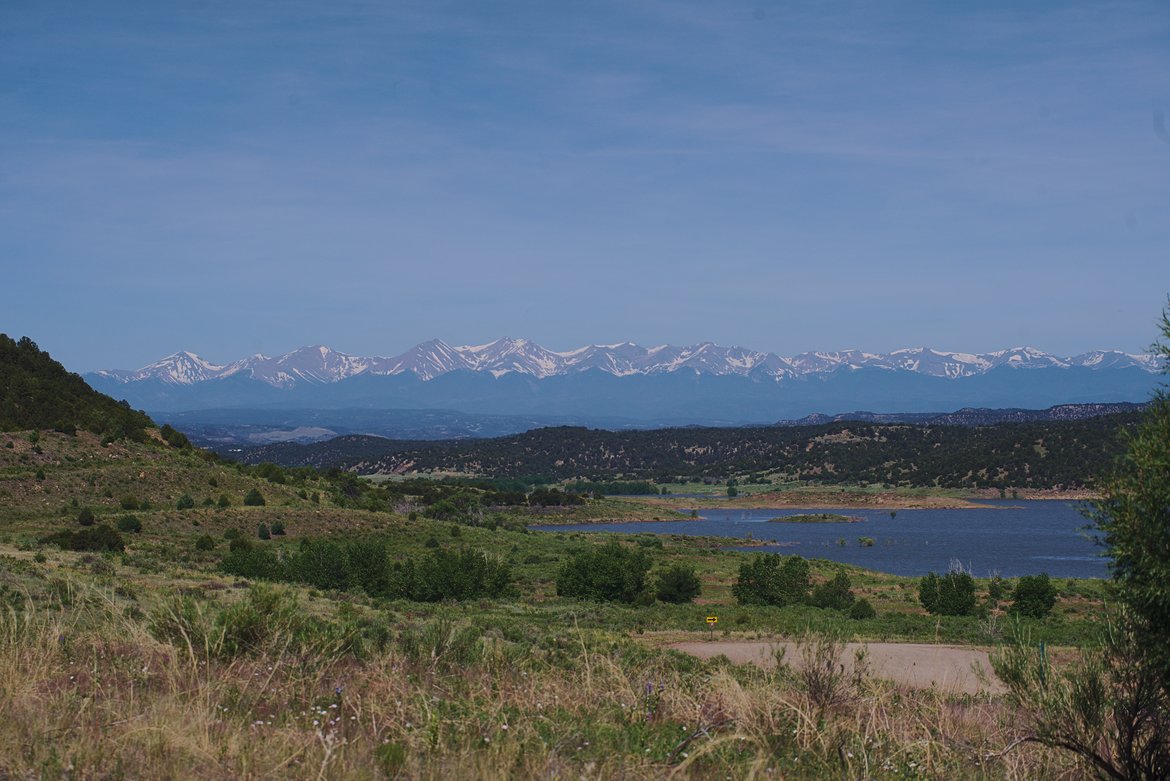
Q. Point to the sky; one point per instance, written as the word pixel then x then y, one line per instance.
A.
pixel 232 178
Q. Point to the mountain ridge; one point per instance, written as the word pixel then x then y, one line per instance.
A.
pixel 319 364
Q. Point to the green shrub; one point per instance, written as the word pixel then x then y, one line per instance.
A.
pixel 997 589
pixel 268 617
pixel 85 517
pixel 766 579
pixel 608 572
pixel 262 532
pixel 278 529
pixel 678 585
pixel 322 564
pixel 174 438
pixel 129 523
pixel 185 502
pixel 270 472
pixel 861 609
pixel 258 563
pixel 834 594
pixel 224 501
pixel 1034 596
pixel 443 575
pixel 129 502
pixel 254 499
pixel 952 594
pixel 91 538
pixel 205 543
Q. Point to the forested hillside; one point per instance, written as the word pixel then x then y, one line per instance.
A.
pixel 36 392
pixel 1066 454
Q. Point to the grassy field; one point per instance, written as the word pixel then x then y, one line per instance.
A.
pixel 153 663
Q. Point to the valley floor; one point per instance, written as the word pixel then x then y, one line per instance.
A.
pixel 153 663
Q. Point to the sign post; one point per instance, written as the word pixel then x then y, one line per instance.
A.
pixel 711 622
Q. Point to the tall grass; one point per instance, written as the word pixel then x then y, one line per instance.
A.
pixel 255 687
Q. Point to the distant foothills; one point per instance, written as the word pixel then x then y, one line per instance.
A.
pixel 436 390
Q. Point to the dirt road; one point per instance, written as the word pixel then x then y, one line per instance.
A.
pixel 911 664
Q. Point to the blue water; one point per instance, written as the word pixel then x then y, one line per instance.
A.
pixel 1011 538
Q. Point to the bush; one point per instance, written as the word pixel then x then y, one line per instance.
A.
pixel 185 502
pixel 278 529
pixel 262 532
pixel 85 517
pixel 224 501
pixel 129 523
pixel 129 502
pixel 254 499
pixel 607 572
pixel 258 563
pixel 445 575
pixel 91 538
pixel 205 543
pixel 269 617
pixel 996 589
pixel 553 497
pixel 834 594
pixel 861 609
pixel 952 594
pixel 270 472
pixel 321 564
pixel 764 580
pixel 679 584
pixel 1034 596
pixel 174 438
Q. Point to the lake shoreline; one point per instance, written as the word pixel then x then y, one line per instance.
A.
pixel 883 500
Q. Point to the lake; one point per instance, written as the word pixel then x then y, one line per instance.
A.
pixel 1012 538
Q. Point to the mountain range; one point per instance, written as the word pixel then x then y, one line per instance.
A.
pixel 428 360
pixel 612 386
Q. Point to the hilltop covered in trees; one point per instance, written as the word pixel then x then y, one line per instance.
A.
pixel 36 392
pixel 1048 454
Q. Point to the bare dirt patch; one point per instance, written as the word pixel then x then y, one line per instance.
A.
pixel 918 665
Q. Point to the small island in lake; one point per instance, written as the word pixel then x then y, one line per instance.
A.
pixel 817 518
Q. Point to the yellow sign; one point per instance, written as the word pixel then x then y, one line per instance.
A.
pixel 712 620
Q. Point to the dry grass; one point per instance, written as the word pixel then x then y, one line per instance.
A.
pixel 89 692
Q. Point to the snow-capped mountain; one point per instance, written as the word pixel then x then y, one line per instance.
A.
pixel 429 360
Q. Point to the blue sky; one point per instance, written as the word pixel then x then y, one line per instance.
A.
pixel 236 177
